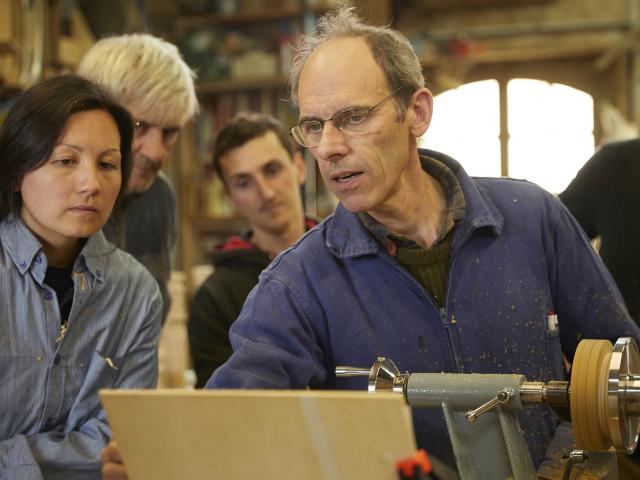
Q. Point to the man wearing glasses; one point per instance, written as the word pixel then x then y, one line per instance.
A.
pixel 419 263
pixel 148 77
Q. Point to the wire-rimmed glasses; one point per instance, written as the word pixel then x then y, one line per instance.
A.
pixel 350 120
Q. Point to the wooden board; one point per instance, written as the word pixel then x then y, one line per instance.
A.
pixel 265 434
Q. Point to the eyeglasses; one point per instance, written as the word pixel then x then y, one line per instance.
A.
pixel 350 121
pixel 169 134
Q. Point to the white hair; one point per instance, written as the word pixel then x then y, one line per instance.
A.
pixel 144 72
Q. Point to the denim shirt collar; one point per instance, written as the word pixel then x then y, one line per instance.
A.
pixel 348 237
pixel 26 251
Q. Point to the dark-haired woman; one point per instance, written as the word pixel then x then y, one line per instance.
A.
pixel 76 313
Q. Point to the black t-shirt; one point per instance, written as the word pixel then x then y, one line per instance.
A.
pixel 61 281
pixel 605 199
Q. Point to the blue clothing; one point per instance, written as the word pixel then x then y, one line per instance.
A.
pixel 338 298
pixel 52 424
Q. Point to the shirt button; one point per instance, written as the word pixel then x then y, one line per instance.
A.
pixel 23 264
pixel 38 259
pixel 47 295
pixel 39 359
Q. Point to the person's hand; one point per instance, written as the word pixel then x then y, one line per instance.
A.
pixel 112 464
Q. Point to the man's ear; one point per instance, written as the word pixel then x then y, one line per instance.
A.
pixel 298 161
pixel 421 107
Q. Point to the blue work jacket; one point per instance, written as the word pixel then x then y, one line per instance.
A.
pixel 337 297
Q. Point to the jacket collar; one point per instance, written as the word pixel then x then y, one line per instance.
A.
pixel 481 211
pixel 26 252
pixel 243 241
pixel 348 237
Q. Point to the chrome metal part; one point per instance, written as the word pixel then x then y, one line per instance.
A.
pixel 503 396
pixel 633 394
pixel 383 375
pixel 553 393
pixel 556 393
pixel 532 392
pixel 386 376
pixel 574 457
pixel 343 371
pixel 623 395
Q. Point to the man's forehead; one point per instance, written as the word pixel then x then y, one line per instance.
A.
pixel 342 55
pixel 339 74
pixel 247 167
pixel 342 97
pixel 255 155
pixel 153 116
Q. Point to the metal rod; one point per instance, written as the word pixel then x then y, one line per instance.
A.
pixel 342 371
pixel 532 392
pixel 574 457
pixel 502 397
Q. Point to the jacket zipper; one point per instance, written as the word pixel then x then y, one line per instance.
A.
pixel 457 361
pixel 442 313
pixel 455 354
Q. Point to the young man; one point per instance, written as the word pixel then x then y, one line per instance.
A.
pixel 148 77
pixel 262 174
pixel 420 263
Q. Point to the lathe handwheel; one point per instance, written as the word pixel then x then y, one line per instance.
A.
pixel 622 414
pixel 588 394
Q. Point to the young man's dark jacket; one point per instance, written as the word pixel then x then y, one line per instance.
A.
pixel 219 299
pixel 218 302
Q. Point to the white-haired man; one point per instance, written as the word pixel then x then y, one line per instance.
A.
pixel 148 76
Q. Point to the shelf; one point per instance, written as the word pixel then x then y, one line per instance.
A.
pixel 236 85
pixel 219 225
pixel 190 20
pixel 531 49
pixel 201 20
pixel 9 46
pixel 448 5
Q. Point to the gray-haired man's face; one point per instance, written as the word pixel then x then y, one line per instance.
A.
pixel 152 145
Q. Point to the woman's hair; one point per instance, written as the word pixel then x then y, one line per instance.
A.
pixel 36 121
pixel 144 72
pixel 391 50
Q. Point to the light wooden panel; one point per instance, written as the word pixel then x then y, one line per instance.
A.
pixel 241 434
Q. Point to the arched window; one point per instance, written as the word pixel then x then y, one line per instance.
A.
pixel 545 137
